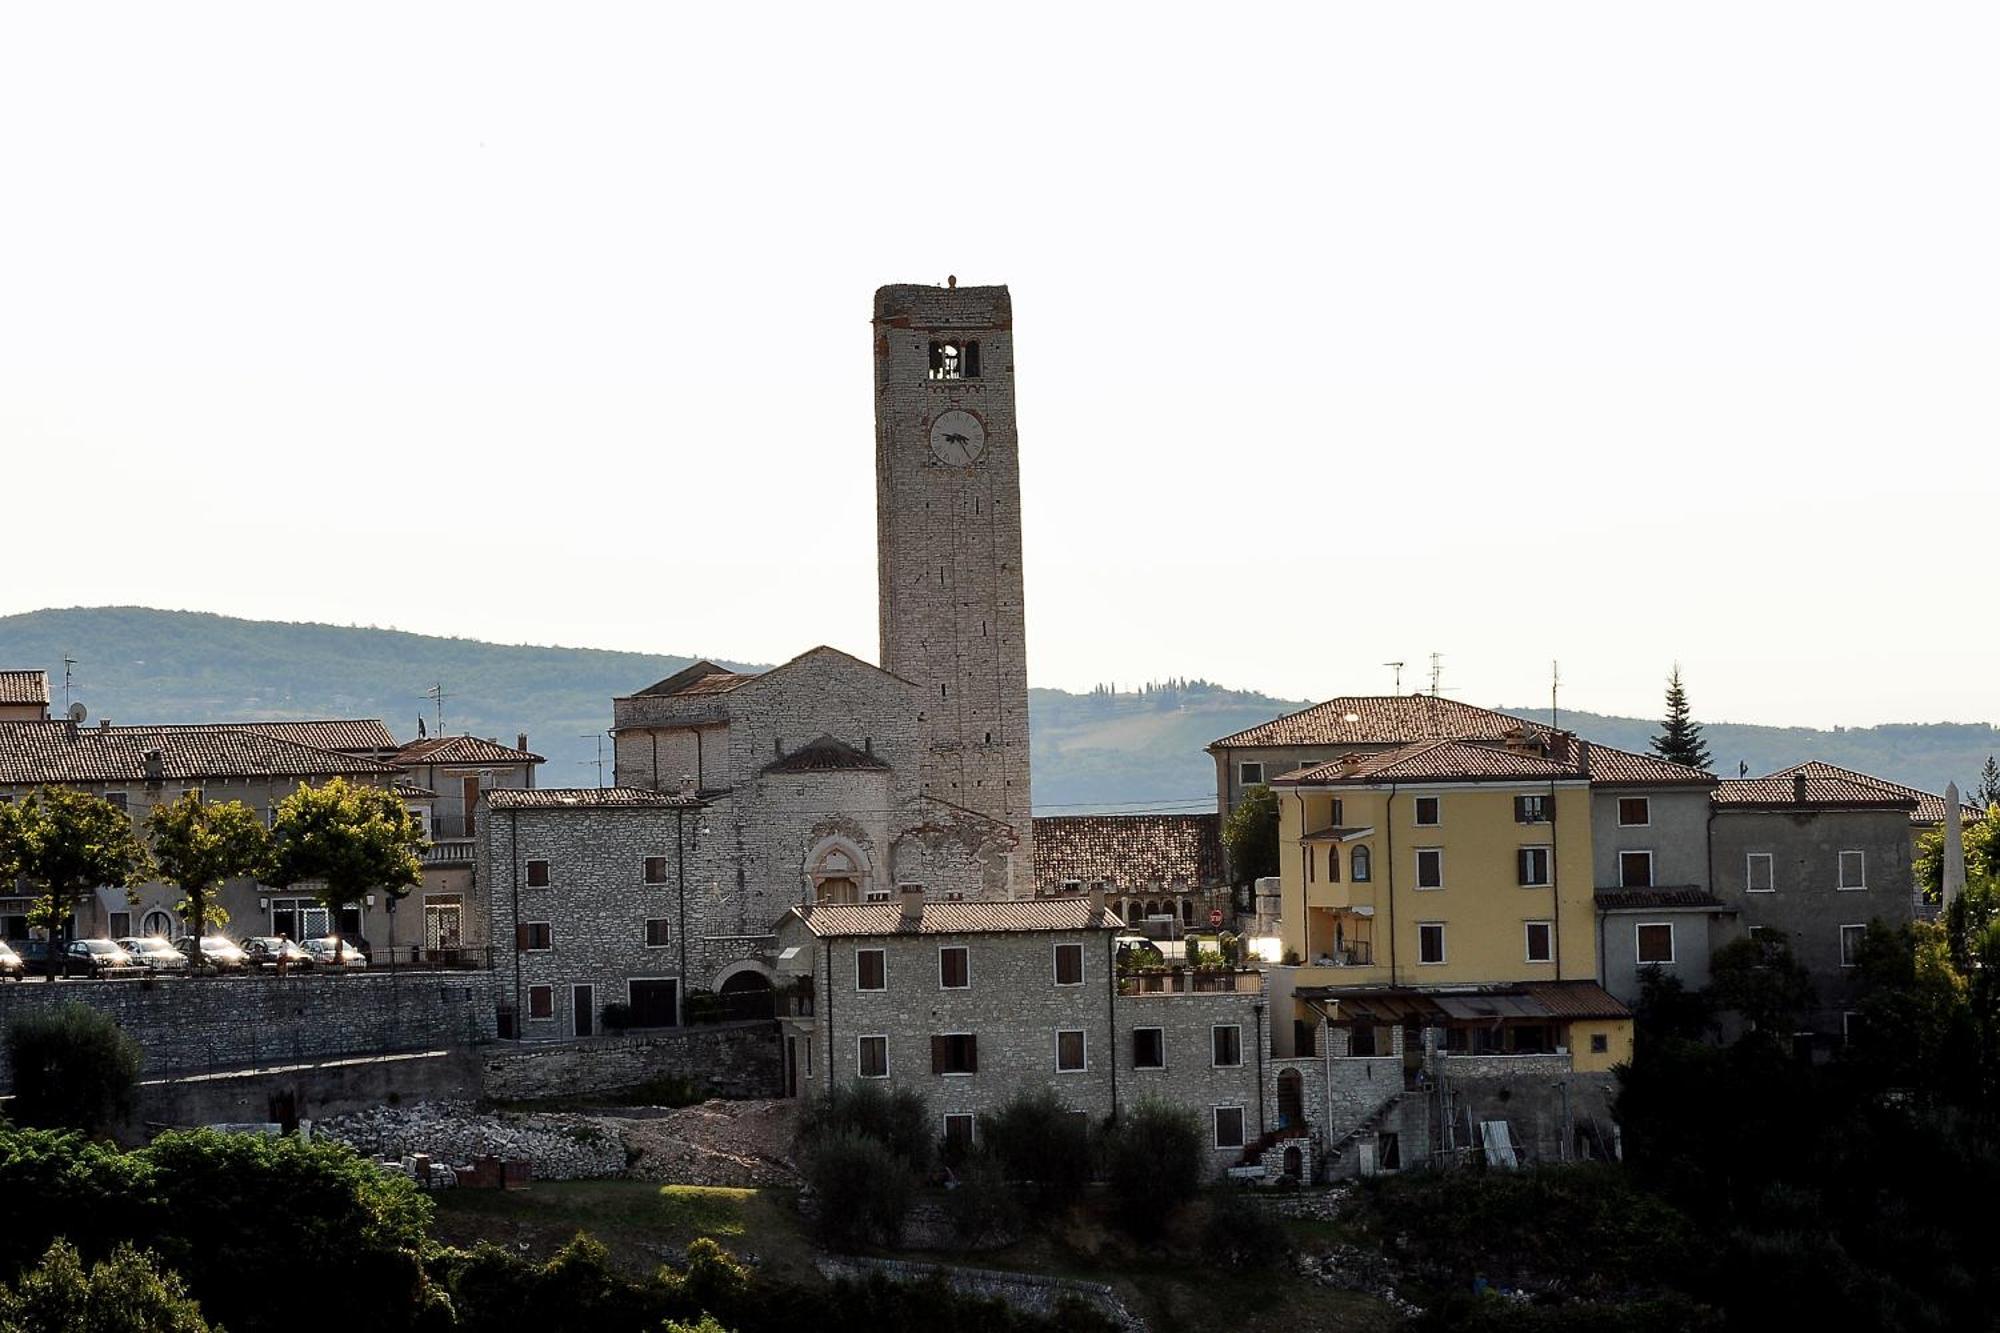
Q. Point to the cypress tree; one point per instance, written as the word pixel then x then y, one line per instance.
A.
pixel 1680 738
pixel 1987 794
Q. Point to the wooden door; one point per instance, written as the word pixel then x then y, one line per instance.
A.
pixel 583 1008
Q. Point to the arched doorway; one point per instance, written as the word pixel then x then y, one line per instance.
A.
pixel 837 869
pixel 1291 1099
pixel 157 923
pixel 747 996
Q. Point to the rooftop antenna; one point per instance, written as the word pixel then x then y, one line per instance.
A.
pixel 68 662
pixel 1397 667
pixel 437 695
pixel 599 761
pixel 1437 669
pixel 1555 684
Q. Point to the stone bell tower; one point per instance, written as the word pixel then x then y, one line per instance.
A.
pixel 948 514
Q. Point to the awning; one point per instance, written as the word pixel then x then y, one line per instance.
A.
pixel 1337 835
pixel 1531 1002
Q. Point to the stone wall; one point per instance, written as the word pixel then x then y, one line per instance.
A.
pixel 1192 1079
pixel 309 1091
pixel 203 1025
pixel 1032 1292
pixel 730 1060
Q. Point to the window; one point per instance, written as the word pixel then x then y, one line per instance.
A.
pixel 1069 965
pixel 1427 811
pixel 955 1053
pixel 1227 1040
pixel 1149 1048
pixel 1532 867
pixel 954 359
pixel 1635 870
pixel 1853 870
pixel 1430 941
pixel 871 1057
pixel 1430 867
pixel 117 798
pixel 1333 864
pixel 1541 942
pixel 656 870
pixel 1850 944
pixel 1850 1025
pixel 1655 942
pixel 658 932
pixel 1600 1043
pixel 1229 1127
pixel 541 1001
pixel 121 924
pixel 1531 809
pixel 1634 811
pixel 532 935
pixel 1250 775
pixel 957 1133
pixel 538 874
pixel 1339 811
pixel 1072 886
pixel 1758 876
pixel 1070 1051
pixel 871 970
pixel 1360 865
pixel 954 967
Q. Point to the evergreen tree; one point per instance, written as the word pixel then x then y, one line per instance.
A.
pixel 1987 794
pixel 1680 739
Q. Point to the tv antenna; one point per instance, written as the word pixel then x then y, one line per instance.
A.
pixel 68 662
pixel 1555 683
pixel 599 761
pixel 437 696
pixel 1437 670
pixel 1396 667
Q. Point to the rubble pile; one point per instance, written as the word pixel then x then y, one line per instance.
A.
pixel 745 1144
pixel 558 1146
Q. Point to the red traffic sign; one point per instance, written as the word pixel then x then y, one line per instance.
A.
pixel 1215 916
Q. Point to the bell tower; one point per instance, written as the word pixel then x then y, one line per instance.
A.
pixel 948 517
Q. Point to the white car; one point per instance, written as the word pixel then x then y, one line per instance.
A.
pixel 323 955
pixel 153 953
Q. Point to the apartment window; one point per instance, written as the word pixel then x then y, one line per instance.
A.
pixel 1655 942
pixel 659 932
pixel 1430 867
pixel 1227 1041
pixel 1600 1043
pixel 871 1057
pixel 1635 811
pixel 1069 965
pixel 1850 1025
pixel 541 1001
pixel 1361 864
pixel 656 870
pixel 954 967
pixel 121 924
pixel 1532 863
pixel 1339 811
pixel 1635 870
pixel 1149 1048
pixel 955 1053
pixel 957 1133
pixel 1427 811
pixel 1333 864
pixel 1229 1127
pixel 1531 809
pixel 534 935
pixel 1541 942
pixel 1250 775
pixel 1430 941
pixel 1758 875
pixel 1850 944
pixel 1853 870
pixel 871 970
pixel 117 798
pixel 1070 1051
pixel 538 874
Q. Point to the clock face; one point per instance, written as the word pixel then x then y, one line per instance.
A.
pixel 958 438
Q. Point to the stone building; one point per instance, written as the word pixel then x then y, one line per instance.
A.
pixel 444 779
pixel 1148 866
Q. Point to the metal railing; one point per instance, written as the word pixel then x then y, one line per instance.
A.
pixel 1171 981
pixel 447 851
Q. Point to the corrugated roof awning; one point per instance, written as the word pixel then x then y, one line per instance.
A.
pixel 1491 1008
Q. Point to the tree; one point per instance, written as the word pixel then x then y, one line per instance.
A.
pixel 1987 794
pixel 1038 1140
pixel 1762 982
pixel 345 840
pixel 1680 740
pixel 74 1068
pixel 201 844
pixel 68 843
pixel 1251 835
pixel 127 1293
pixel 1157 1157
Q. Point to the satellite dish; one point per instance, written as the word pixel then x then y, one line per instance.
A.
pixel 77 712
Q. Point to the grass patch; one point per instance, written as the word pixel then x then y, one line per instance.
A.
pixel 707 1210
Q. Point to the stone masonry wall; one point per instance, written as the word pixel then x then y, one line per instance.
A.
pixel 735 1060
pixel 1192 1079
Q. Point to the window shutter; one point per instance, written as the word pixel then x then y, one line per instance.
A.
pixel 938 1054
pixel 1520 809
pixel 972 1054
pixel 520 938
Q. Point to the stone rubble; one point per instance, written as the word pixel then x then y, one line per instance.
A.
pixel 558 1146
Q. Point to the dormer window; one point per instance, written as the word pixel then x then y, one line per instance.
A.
pixel 954 359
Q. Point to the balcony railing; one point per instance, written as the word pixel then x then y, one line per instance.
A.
pixel 1359 953
pixel 447 851
pixel 1168 981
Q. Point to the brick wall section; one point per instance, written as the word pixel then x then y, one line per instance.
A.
pixel 198 1026
pixel 735 1060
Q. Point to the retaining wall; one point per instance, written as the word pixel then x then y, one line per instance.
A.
pixel 1031 1292
pixel 730 1059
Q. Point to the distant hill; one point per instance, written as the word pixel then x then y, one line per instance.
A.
pixel 1139 748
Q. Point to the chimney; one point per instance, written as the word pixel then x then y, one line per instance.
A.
pixel 521 740
pixel 1799 788
pixel 1583 756
pixel 104 724
pixel 1096 898
pixel 1351 760
pixel 913 902
pixel 687 784
pixel 156 768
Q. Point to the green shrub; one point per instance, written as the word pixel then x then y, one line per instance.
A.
pixel 617 1016
pixel 900 1121
pixel 1156 1160
pixel 861 1189
pixel 1241 1235
pixel 982 1205
pixel 127 1293
pixel 74 1068
pixel 1036 1140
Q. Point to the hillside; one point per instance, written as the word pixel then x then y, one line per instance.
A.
pixel 1135 749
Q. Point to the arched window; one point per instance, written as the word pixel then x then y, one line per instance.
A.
pixel 1333 864
pixel 1361 867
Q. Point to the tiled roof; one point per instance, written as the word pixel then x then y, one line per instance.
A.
pixel 1930 807
pixel 827 755
pixel 587 798
pixel 1128 851
pixel 350 735
pixel 1382 719
pixel 701 678
pixel 1615 900
pixel 1576 999
pixel 461 750
pixel 24 687
pixel 1611 767
pixel 1434 761
pixel 1527 1000
pixel 55 752
pixel 410 791
pixel 1832 792
pixel 1003 916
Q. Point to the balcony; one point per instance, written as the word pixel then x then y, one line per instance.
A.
pixel 1354 953
pixel 1344 897
pixel 1178 981
pixel 447 852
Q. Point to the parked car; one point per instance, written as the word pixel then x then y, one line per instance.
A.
pixel 153 953
pixel 270 950
pixel 11 966
pixel 323 955
pixel 34 956
pixel 219 953
pixel 97 958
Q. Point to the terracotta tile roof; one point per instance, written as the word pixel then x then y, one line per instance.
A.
pixel 1381 719
pixel 1930 807
pixel 827 755
pixel 1128 851
pixel 1529 1000
pixel 1611 767
pixel 24 687
pixel 1002 916
pixel 701 678
pixel 410 791
pixel 1576 999
pixel 1831 792
pixel 461 750
pixel 349 735
pixel 1434 761
pixel 54 752
pixel 1658 899
pixel 587 798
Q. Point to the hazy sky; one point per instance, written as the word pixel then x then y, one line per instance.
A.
pixel 1602 333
